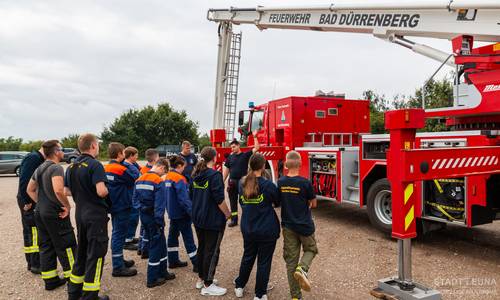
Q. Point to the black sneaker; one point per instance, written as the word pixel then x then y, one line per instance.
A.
pixel 130 246
pixel 52 285
pixel 35 270
pixel 139 251
pixel 158 282
pixel 195 268
pixel 144 255
pixel 124 272
pixel 129 263
pixel 169 276
pixel 177 264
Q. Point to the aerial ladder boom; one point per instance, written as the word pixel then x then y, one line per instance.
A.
pixel 395 21
pixel 389 20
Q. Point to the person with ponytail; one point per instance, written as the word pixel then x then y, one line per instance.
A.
pixel 209 214
pixel 259 226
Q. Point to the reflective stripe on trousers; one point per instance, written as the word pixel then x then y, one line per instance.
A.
pixel 96 285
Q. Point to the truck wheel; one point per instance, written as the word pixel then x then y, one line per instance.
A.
pixel 379 205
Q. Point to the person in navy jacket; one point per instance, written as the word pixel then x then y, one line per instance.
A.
pixel 190 159
pixel 179 208
pixel 152 157
pixel 259 226
pixel 120 179
pixel 150 194
pixel 209 214
pixel 130 161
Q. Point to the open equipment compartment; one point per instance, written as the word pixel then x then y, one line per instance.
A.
pixel 323 174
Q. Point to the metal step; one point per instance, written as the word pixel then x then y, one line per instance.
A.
pixel 353 188
pixel 355 174
pixel 432 218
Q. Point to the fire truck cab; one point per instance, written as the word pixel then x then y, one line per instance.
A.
pixel 347 164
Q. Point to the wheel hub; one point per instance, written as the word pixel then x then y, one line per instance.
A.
pixel 383 206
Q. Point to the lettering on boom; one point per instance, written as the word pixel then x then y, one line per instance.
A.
pixel 290 18
pixel 371 20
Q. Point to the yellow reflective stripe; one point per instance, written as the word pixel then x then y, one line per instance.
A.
pixel 71 259
pixel 445 207
pixel 67 274
pixel 76 279
pixel 97 277
pixel 49 274
pixel 445 213
pixel 450 180
pixel 234 214
pixel 409 218
pixel 96 285
pixel 34 236
pixel 31 249
pixel 197 186
pixel 254 200
pixel 440 189
pixel 91 287
pixel 408 192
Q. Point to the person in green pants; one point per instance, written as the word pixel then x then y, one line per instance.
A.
pixel 297 199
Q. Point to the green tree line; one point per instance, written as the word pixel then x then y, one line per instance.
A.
pixel 151 126
pixel 142 128
pixel 438 93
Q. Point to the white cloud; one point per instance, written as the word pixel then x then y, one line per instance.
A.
pixel 69 66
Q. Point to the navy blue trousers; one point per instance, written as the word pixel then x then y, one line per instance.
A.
pixel 262 251
pixel 177 227
pixel 120 222
pixel 132 224
pixel 157 263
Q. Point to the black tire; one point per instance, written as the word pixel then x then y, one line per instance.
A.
pixel 377 199
pixel 17 171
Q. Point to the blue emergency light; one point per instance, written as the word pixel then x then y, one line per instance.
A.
pixel 251 104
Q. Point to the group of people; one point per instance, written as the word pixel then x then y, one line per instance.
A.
pixel 191 191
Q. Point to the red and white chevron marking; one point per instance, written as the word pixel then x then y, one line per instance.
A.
pixel 267 153
pixel 464 162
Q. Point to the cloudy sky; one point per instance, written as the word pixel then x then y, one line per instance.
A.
pixel 73 66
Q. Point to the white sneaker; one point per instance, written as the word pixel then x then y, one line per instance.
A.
pixel 200 283
pixel 264 297
pixel 213 290
pixel 238 292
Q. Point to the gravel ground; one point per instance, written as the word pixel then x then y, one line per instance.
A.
pixel 461 263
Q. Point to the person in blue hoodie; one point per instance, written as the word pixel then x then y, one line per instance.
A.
pixel 259 225
pixel 120 179
pixel 179 208
pixel 150 194
pixel 209 214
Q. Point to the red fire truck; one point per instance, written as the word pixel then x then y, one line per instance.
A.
pixel 344 161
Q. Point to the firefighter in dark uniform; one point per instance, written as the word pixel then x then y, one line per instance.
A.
pixel 27 206
pixel 55 233
pixel 85 181
pixel 190 160
pixel 236 166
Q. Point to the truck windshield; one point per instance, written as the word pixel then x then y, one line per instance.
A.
pixel 257 120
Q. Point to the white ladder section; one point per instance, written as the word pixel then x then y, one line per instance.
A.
pixel 231 85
